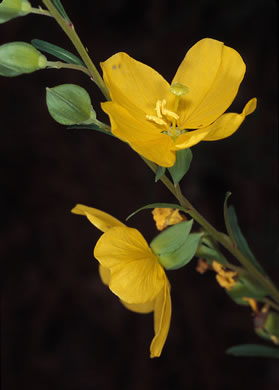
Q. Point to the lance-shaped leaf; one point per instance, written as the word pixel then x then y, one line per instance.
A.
pixel 91 126
pixel 10 9
pixel 58 5
pixel 255 350
pixel 236 235
pixel 69 104
pixel 182 165
pixel 56 51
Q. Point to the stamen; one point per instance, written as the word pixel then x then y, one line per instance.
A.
pixel 168 113
pixel 157 120
pixel 161 111
pixel 158 108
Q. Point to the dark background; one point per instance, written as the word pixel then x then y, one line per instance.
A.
pixel 61 328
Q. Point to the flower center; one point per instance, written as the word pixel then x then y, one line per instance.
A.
pixel 163 116
pixel 168 118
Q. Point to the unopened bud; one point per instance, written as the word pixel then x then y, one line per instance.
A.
pixel 10 9
pixel 17 58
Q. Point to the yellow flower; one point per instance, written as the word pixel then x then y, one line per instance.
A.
pixel 156 119
pixel 132 271
pixel 165 217
pixel 226 279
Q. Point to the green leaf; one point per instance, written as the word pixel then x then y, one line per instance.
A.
pixel 236 235
pixel 226 216
pixel 159 205
pixel 92 126
pixel 181 166
pixel 172 238
pixel 56 51
pixel 57 4
pixel 159 173
pixel 69 104
pixel 254 350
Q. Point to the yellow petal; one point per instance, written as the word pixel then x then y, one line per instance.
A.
pixel 142 135
pixel 104 274
pixel 228 123
pixel 133 84
pixel 190 138
pixel 98 218
pixel 213 73
pixel 142 308
pixel 136 275
pixel 165 217
pixel 162 317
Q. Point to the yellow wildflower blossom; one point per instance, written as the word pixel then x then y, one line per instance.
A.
pixel 224 278
pixel 132 271
pixel 156 119
pixel 165 217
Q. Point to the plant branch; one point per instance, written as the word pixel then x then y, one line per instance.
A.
pixel 40 11
pixel 220 237
pixel 69 30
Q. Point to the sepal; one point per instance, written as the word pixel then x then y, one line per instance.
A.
pixel 175 246
pixel 181 166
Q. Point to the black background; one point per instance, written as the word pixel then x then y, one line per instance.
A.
pixel 61 328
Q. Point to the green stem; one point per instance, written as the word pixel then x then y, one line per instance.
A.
pixel 60 65
pixel 69 30
pixel 220 237
pixel 40 11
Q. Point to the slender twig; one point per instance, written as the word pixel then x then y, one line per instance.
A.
pixel 40 11
pixel 69 30
pixel 60 65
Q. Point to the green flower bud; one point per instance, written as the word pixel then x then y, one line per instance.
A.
pixel 246 287
pixel 69 104
pixel 267 326
pixel 10 9
pixel 175 246
pixel 271 324
pixel 17 58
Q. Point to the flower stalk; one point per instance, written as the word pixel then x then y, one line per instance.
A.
pixel 69 30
